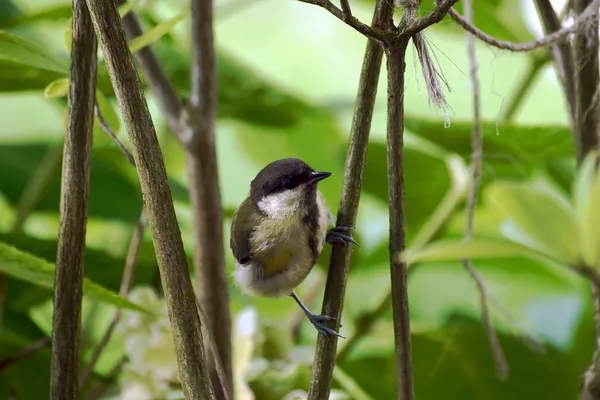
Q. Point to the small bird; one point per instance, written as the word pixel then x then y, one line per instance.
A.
pixel 279 230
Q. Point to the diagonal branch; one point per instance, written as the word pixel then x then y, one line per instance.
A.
pixel 435 16
pixel 158 202
pixel 157 79
pixel 75 183
pixel 589 14
pixel 335 287
pixel 370 32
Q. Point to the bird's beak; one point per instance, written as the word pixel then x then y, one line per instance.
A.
pixel 318 176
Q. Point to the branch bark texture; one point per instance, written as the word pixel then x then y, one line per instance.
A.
pixel 68 281
pixel 586 82
pixel 205 193
pixel 396 54
pixel 339 264
pixel 157 201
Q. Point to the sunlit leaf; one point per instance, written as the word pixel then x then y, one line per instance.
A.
pixel 152 35
pixel 57 88
pixel 583 193
pixel 68 35
pixel 542 214
pixel 34 270
pixel 16 49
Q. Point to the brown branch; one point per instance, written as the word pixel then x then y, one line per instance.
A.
pixel 370 32
pixel 563 57
pixel 75 182
pixel 158 201
pixel 477 156
pixel 435 16
pixel 158 81
pixel 26 352
pixel 205 193
pixel 126 280
pixel 396 56
pixel 555 37
pixel 586 81
pixel 335 287
pixel 104 125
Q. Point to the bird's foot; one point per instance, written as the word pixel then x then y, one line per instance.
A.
pixel 340 235
pixel 318 323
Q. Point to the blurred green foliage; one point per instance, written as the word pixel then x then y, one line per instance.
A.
pixel 288 74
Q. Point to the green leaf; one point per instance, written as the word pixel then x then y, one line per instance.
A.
pixel 538 215
pixel 57 88
pixel 583 193
pixel 124 9
pixel 457 249
pixel 34 270
pixel 53 13
pixel 22 51
pixel 507 146
pixel 152 35
pixel 16 77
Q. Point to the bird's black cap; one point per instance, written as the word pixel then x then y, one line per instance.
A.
pixel 284 174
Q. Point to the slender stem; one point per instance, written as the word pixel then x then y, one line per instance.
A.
pixel 68 281
pixel 106 128
pixel 205 193
pixel 126 280
pixel 158 202
pixel 477 157
pixel 396 54
pixel 335 287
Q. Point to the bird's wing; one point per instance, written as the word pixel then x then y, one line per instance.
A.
pixel 242 226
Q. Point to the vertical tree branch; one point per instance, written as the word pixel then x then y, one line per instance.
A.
pixel 586 82
pixel 205 193
pixel 396 53
pixel 563 58
pixel 68 280
pixel 158 201
pixel 339 264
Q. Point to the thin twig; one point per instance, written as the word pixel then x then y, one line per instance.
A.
pixel 26 352
pixel 347 12
pixel 75 182
pixel 555 37
pixel 371 32
pixel 335 288
pixel 477 156
pixel 198 136
pixel 396 55
pixel 126 280
pixel 158 202
pixel 106 128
